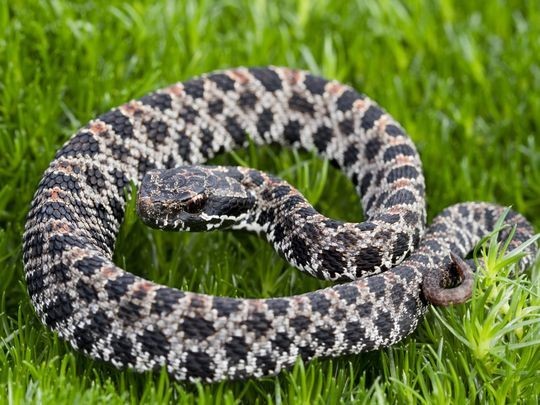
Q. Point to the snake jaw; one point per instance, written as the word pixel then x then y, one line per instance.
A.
pixel 172 215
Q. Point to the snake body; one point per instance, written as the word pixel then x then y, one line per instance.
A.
pixel 112 315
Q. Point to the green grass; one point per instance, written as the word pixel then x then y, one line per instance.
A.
pixel 463 79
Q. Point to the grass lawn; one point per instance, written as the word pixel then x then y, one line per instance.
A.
pixel 463 79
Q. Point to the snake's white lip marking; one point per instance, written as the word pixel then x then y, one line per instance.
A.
pixel 112 315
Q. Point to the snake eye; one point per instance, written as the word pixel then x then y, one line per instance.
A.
pixel 195 205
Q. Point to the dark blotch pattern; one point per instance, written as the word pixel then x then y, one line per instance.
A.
pixel 332 261
pixel 407 172
pixel 188 114
pixel 35 282
pixel 95 179
pixel 394 151
pixel 401 245
pixel 247 100
pixel 315 84
pixel 156 130
pixel 120 124
pixel 194 88
pixel 354 333
pixel 64 181
pixel 347 99
pixel 371 115
pixel 268 78
pixel 394 130
pixel 60 272
pixel 56 210
pixel 377 286
pixel 384 323
pixel 59 310
pixel 266 363
pixel 299 323
pixel 280 191
pixel 82 144
pixel 256 177
pixel 118 287
pixel 265 121
pixel 120 180
pixel 83 339
pixel 306 352
pixel 215 107
pixel 165 300
pixel 348 293
pixel 300 104
pixel 346 126
pixel 281 343
pixel 225 306
pixel 129 311
pixel 161 101
pixel 89 265
pixel 122 350
pixel 411 217
pixel 390 218
pixel 292 132
pixel 235 130
pixel 300 250
pixel 366 259
pixel 407 322
pixel 365 183
pixel 373 146
pixel 207 140
pixel 199 365
pixel 222 81
pixel 197 328
pixel 351 156
pixel 397 295
pixel 154 341
pixel 400 197
pixel 59 243
pixel 86 291
pixel 320 303
pixel 322 138
pixel 184 148
pixel 236 349
pixel 257 323
pixel 325 337
pixel 366 308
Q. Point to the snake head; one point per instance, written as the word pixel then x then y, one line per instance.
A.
pixel 193 198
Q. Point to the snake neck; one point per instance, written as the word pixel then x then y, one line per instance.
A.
pixel 275 204
pixel 299 233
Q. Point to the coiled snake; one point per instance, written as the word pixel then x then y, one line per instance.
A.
pixel 112 315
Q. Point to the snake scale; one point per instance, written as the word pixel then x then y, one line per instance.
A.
pixel 112 315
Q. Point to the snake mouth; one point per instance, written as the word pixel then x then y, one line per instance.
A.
pixel 171 216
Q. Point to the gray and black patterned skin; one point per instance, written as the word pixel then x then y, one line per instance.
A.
pixel 203 198
pixel 112 315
